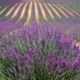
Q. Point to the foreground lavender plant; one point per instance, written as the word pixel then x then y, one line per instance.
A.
pixel 40 53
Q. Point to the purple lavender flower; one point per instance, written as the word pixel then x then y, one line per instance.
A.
pixel 40 51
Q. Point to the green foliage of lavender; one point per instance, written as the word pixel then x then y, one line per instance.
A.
pixel 39 53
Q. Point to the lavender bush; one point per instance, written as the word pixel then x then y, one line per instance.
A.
pixel 40 53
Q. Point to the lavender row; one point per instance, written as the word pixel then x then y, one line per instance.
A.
pixel 7 27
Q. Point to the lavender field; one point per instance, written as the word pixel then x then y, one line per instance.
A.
pixel 40 40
